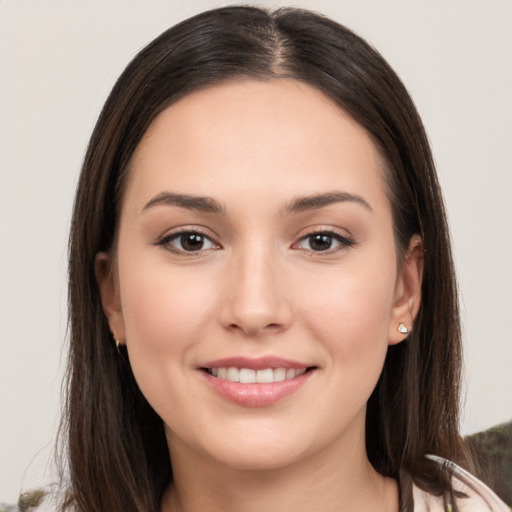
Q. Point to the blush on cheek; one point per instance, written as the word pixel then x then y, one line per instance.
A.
pixel 351 306
pixel 158 333
pixel 351 319
pixel 163 313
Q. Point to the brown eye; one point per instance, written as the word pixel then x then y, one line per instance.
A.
pixel 324 241
pixel 187 241
pixel 191 241
pixel 320 242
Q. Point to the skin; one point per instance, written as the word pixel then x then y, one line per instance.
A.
pixel 258 287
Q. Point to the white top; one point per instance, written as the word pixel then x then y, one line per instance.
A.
pixel 480 497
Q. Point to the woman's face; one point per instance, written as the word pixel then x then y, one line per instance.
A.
pixel 256 245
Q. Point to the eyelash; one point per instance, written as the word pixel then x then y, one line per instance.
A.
pixel 166 242
pixel 343 241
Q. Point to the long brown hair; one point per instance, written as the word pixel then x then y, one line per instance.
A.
pixel 116 449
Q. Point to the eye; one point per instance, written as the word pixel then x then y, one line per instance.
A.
pixel 187 241
pixel 324 241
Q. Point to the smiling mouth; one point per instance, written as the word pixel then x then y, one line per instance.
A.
pixel 251 376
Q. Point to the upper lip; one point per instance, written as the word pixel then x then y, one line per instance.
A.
pixel 259 363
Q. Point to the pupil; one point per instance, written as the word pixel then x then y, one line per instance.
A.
pixel 192 241
pixel 320 242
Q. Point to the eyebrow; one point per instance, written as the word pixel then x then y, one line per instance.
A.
pixel 203 204
pixel 210 205
pixel 316 201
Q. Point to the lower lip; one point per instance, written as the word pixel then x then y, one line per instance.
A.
pixel 256 395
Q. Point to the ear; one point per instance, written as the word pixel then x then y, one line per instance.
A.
pixel 407 296
pixel 109 291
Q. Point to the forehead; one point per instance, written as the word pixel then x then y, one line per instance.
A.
pixel 252 136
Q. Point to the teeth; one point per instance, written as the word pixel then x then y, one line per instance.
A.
pixel 250 376
pixel 247 376
pixel 279 374
pixel 265 376
pixel 233 375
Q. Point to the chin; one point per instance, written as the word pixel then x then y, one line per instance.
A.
pixel 253 452
pixel 258 460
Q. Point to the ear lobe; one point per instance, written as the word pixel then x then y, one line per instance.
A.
pixel 109 292
pixel 407 297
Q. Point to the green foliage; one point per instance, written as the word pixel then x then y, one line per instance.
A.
pixel 495 445
pixel 30 499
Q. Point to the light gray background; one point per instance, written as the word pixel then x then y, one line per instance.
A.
pixel 58 60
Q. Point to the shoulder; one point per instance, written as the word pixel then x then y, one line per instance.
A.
pixel 477 496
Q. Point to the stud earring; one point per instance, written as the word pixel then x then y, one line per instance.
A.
pixel 117 341
pixel 403 329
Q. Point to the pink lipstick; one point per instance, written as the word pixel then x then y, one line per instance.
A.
pixel 256 382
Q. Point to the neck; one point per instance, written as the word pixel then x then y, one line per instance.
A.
pixel 335 479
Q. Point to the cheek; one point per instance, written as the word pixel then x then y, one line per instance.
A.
pixel 351 316
pixel 166 313
pixel 164 310
pixel 352 303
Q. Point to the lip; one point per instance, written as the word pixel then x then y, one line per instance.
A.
pixel 256 394
pixel 259 363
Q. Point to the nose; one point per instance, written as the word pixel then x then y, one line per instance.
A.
pixel 255 301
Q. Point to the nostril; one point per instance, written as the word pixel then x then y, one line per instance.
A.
pixel 249 329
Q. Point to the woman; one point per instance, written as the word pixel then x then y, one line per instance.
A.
pixel 262 298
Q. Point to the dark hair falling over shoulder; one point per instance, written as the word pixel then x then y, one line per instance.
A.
pixel 116 446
